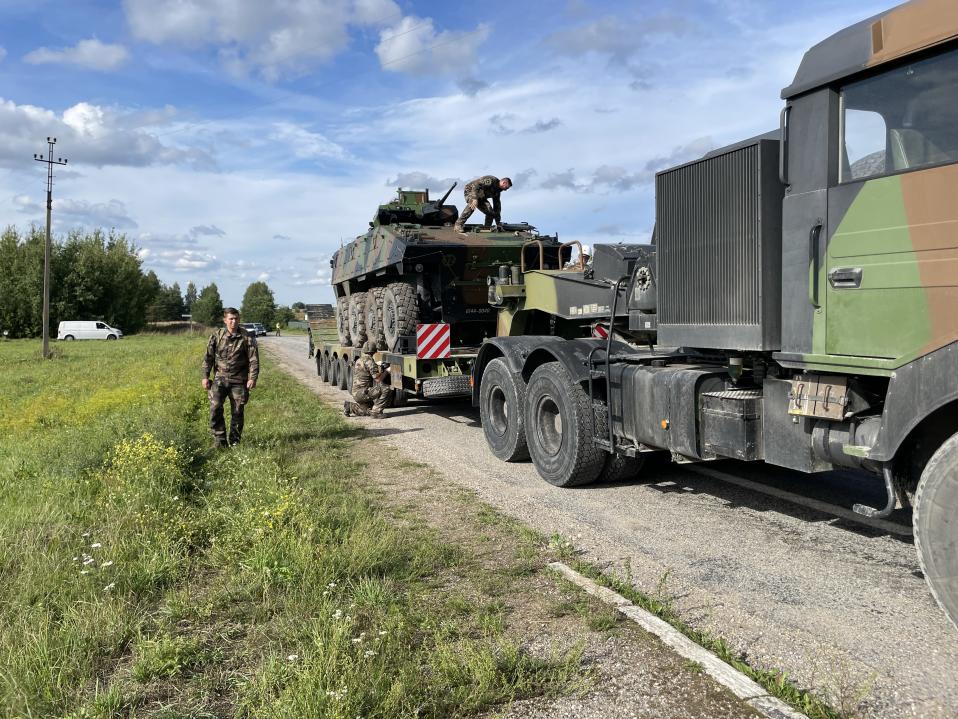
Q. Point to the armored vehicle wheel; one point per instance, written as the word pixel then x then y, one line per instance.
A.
pixel 501 397
pixel 319 366
pixel 560 427
pixel 325 367
pixel 400 312
pixel 935 522
pixel 345 370
pixel 342 320
pixel 357 318
pixel 374 317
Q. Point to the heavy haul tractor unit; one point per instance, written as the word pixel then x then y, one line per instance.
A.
pixel 801 297
pixel 411 267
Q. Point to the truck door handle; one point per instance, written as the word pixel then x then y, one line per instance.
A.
pixel 813 261
pixel 845 278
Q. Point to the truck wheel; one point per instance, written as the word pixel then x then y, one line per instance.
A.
pixel 357 318
pixel 559 428
pixel 935 522
pixel 618 467
pixel 69 338
pixel 400 313
pixel 323 360
pixel 501 397
pixel 374 317
pixel 342 320
pixel 344 373
pixel 333 371
pixel 319 366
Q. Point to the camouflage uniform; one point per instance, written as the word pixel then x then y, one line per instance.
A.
pixel 234 360
pixel 371 397
pixel 478 192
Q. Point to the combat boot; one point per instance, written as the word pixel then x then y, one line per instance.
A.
pixel 459 228
pixel 346 410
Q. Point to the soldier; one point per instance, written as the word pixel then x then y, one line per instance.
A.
pixel 477 194
pixel 370 393
pixel 233 357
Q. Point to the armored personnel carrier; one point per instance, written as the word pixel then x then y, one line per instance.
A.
pixel 412 267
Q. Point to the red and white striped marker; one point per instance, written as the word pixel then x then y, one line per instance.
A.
pixel 600 330
pixel 433 341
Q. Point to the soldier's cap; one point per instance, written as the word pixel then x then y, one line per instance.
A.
pixel 369 348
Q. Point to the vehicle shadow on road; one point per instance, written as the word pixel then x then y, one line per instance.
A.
pixel 386 431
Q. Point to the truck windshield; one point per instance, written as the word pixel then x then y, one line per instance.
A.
pixel 901 120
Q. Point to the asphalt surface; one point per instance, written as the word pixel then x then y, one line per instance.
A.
pixel 841 608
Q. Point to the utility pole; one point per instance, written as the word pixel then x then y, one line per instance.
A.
pixel 51 141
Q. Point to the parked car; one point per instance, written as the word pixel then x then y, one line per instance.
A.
pixel 260 329
pixel 249 327
pixel 87 330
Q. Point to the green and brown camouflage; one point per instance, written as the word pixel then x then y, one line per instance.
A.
pixel 882 289
pixel 411 240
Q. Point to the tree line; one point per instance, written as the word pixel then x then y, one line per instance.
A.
pixel 99 275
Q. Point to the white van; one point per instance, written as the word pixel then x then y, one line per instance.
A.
pixel 87 330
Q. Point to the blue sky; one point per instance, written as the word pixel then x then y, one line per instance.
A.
pixel 237 140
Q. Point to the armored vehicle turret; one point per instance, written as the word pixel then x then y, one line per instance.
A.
pixel 412 267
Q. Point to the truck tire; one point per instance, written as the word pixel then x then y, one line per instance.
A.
pixel 342 375
pixel 325 368
pixel 374 317
pixel 935 523
pixel 319 366
pixel 400 313
pixel 501 398
pixel 357 318
pixel 560 428
pixel 333 371
pixel 618 468
pixel 342 320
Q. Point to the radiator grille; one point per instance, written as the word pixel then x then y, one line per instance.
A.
pixel 718 235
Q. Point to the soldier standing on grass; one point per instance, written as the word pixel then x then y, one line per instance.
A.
pixel 233 357
pixel 370 393
pixel 478 192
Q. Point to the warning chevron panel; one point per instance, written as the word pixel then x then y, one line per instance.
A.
pixel 433 341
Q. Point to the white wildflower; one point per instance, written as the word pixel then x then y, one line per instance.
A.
pixel 95 545
pixel 86 535
pixel 383 633
pixel 369 653
pixel 88 561
pixel 106 564
pixel 338 614
pixel 84 571
pixel 331 585
pixel 292 657
pixel 109 586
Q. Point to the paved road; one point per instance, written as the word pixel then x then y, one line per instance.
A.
pixel 839 607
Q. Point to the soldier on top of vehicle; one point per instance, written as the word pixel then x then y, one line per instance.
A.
pixel 478 192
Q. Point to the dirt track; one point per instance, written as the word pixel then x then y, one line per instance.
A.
pixel 839 607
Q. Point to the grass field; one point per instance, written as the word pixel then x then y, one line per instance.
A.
pixel 144 574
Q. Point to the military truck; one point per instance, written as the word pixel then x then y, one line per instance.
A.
pixel 411 270
pixel 801 294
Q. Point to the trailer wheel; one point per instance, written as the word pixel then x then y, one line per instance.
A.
pixel 560 428
pixel 319 366
pixel 342 320
pixel 345 370
pixel 333 371
pixel 374 317
pixel 935 522
pixel 357 318
pixel 324 375
pixel 618 468
pixel 501 398
pixel 400 313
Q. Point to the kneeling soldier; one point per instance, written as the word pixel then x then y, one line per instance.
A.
pixel 370 393
pixel 233 357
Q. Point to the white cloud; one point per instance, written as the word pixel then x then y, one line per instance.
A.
pixel 276 39
pixel 88 134
pixel 420 180
pixel 91 54
pixel 305 144
pixel 206 230
pixel 413 46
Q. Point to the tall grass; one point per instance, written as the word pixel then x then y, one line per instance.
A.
pixel 146 574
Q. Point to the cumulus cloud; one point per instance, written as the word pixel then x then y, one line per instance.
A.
pixel 91 54
pixel 561 181
pixel 307 145
pixel 279 39
pixel 502 124
pixel 620 40
pixel 87 134
pixel 413 46
pixel 26 205
pixel 471 86
pixel 177 260
pixel 112 213
pixel 212 230
pixel 420 180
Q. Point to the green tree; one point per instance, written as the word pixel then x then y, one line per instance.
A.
pixel 190 297
pixel 258 304
pixel 283 315
pixel 299 305
pixel 208 308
